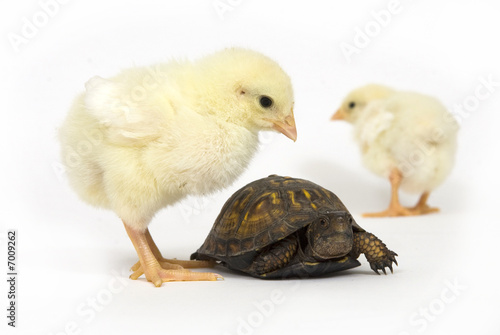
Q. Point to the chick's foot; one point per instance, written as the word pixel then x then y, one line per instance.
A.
pixel 422 208
pixel 391 211
pixel 395 207
pixel 157 274
pixel 403 211
pixel 175 264
pixel 188 264
pixel 170 264
pixel 164 265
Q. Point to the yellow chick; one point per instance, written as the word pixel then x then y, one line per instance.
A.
pixel 150 136
pixel 407 137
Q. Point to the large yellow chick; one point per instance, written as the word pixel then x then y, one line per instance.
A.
pixel 150 136
pixel 407 137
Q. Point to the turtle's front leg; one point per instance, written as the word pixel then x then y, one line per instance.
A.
pixel 276 257
pixel 376 253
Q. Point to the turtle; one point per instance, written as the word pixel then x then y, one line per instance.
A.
pixel 280 227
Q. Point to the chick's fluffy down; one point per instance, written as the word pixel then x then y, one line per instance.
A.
pixel 408 131
pixel 149 136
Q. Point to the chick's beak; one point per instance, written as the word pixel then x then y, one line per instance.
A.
pixel 286 127
pixel 339 115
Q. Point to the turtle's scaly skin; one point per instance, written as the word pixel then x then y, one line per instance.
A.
pixel 278 227
pixel 277 257
pixel 375 251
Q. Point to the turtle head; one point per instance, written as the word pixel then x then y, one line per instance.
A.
pixel 330 235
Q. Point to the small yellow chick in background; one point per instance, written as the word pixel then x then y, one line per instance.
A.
pixel 149 137
pixel 407 137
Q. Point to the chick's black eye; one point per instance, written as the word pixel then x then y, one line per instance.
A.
pixel 265 101
pixel 352 104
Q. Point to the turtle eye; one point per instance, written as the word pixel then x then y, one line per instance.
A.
pixel 323 223
pixel 265 101
pixel 352 104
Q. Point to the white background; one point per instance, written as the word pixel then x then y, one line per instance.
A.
pixel 73 260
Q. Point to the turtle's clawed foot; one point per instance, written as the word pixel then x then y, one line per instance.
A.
pixel 376 253
pixel 384 262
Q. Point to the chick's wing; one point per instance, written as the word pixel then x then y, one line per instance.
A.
pixel 129 113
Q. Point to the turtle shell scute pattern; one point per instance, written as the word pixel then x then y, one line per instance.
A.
pixel 266 211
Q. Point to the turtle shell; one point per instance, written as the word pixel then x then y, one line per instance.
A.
pixel 265 211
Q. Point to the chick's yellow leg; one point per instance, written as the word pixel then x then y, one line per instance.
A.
pixel 152 268
pixel 170 263
pixel 395 208
pixel 422 207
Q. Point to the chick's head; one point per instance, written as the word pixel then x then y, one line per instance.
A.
pixel 251 90
pixel 358 99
